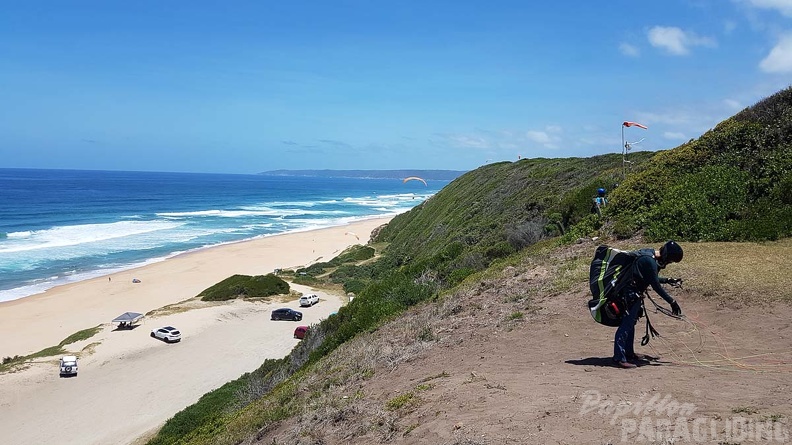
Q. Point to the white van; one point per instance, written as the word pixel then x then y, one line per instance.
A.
pixel 68 365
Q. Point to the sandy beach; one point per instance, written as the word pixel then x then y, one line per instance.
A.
pixel 129 383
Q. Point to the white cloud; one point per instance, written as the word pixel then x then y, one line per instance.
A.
pixel 685 121
pixel 553 129
pixel 500 142
pixel 675 136
pixel 538 136
pixel 550 137
pixel 629 50
pixel 733 104
pixel 676 41
pixel 729 26
pixel 780 58
pixel 782 6
pixel 466 141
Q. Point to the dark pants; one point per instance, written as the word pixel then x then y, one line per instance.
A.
pixel 625 335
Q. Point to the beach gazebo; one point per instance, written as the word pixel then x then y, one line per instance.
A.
pixel 127 320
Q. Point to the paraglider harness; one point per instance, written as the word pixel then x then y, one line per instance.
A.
pixel 607 281
pixel 651 332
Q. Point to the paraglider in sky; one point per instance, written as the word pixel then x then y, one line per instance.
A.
pixel 353 234
pixel 414 178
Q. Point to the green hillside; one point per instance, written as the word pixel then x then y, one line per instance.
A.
pixel 733 183
pixel 501 208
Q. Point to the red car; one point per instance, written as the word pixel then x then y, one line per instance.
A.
pixel 300 332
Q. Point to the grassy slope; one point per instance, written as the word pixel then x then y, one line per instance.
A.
pixel 486 214
pixel 479 208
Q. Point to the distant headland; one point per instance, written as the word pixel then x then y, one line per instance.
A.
pixel 443 175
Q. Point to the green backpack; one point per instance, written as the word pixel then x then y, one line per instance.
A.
pixel 610 271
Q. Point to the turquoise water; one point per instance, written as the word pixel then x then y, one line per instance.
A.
pixel 62 226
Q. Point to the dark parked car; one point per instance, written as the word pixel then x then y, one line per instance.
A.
pixel 286 314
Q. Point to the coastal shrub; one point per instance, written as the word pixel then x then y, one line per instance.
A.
pixel 216 404
pixel 379 300
pixel 85 334
pixel 307 280
pixel 623 228
pixel 526 233
pixel 354 286
pixel 353 254
pixel 314 269
pixel 587 227
pixel 458 275
pixel 210 407
pixel 245 286
pixel 731 184
pixel 701 206
pixel 500 250
pixel 348 272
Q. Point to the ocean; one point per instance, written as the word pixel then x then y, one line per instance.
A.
pixel 63 226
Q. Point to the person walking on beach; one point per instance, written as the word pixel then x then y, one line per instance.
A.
pixel 644 274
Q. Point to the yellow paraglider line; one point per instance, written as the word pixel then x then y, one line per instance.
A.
pixel 726 362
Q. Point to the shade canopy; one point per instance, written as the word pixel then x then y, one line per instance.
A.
pixel 129 317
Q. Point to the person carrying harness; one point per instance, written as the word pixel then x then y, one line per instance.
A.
pixel 644 274
pixel 599 201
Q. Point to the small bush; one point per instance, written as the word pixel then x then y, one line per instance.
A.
pixel 245 286
pixel 402 401
pixel 499 250
pixel 527 233
pixel 458 275
pixel 354 286
pixel 353 254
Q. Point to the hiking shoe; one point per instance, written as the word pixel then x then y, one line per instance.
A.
pixel 626 365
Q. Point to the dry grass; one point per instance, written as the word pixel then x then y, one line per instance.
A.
pixel 756 272
pixel 739 272
pixel 89 349
pixel 181 306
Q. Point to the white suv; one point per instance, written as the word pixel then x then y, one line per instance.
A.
pixel 168 333
pixel 68 365
pixel 309 300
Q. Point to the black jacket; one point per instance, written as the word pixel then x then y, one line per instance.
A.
pixel 645 274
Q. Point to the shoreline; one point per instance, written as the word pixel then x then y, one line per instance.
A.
pixel 49 317
pixel 103 273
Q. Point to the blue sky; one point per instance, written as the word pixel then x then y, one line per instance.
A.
pixel 243 87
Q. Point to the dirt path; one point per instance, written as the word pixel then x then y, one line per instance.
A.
pixel 486 375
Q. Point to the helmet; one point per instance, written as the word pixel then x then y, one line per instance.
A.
pixel 671 252
pixel 601 191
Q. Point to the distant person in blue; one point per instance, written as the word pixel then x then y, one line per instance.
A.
pixel 599 201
